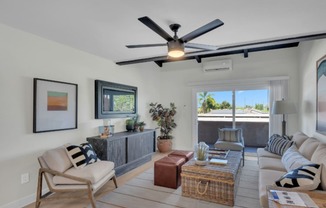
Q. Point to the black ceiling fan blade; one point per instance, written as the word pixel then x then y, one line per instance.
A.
pixel 145 45
pixel 152 25
pixel 202 30
pixel 201 46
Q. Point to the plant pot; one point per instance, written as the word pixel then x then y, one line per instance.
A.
pixel 164 145
pixel 141 128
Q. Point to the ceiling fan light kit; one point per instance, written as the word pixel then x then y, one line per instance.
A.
pixel 176 49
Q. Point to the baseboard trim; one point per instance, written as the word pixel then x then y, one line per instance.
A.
pixel 23 201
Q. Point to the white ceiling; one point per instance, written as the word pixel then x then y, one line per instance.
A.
pixel 104 27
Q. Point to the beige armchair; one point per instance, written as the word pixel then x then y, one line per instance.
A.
pixel 230 139
pixel 61 176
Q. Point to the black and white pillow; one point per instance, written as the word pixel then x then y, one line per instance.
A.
pixel 307 177
pixel 81 155
pixel 278 144
pixel 91 156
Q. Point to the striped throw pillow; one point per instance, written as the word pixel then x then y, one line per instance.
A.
pixel 278 144
pixel 81 155
pixel 306 177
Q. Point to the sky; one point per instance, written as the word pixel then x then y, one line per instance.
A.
pixel 247 97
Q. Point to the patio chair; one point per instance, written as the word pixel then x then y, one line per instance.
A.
pixel 230 139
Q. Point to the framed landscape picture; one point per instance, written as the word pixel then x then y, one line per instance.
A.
pixel 55 105
pixel 321 96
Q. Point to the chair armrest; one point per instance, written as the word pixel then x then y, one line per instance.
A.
pixel 56 173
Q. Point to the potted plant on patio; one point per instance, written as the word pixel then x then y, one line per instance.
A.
pixel 165 120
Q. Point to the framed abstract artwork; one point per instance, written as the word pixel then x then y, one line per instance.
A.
pixel 321 96
pixel 55 105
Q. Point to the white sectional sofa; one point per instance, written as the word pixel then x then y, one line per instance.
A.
pixel 271 167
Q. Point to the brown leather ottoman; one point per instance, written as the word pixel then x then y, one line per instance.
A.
pixel 167 172
pixel 187 155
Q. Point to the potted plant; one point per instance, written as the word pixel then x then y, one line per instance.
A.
pixel 141 125
pixel 130 123
pixel 165 120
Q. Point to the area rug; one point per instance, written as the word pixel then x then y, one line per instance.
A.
pixel 141 192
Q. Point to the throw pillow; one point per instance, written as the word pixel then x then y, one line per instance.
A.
pixel 229 135
pixel 76 156
pixel 306 177
pixel 293 159
pixel 91 156
pixel 278 144
pixel 82 155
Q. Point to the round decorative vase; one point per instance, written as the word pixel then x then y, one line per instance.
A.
pixel 201 153
pixel 164 145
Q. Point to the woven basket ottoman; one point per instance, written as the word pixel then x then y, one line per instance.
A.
pixel 187 155
pixel 212 182
pixel 167 172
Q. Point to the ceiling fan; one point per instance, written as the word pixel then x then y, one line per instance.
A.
pixel 175 44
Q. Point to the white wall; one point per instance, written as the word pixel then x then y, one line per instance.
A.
pixel 177 76
pixel 23 57
pixel 310 52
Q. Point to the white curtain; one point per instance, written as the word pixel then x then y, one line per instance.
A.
pixel 278 91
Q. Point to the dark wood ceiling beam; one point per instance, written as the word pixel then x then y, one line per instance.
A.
pixel 159 63
pixel 198 59
pixel 233 49
pixel 245 53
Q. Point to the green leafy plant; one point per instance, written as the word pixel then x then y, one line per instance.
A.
pixel 164 118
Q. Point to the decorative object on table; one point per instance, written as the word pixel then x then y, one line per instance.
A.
pixel 201 153
pixel 130 123
pixel 217 154
pixel 321 96
pixel 165 120
pixel 104 131
pixel 283 107
pixel 141 125
pixel 55 105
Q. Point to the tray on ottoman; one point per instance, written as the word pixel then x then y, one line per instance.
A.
pixel 215 183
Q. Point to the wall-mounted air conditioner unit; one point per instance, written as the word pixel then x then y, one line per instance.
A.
pixel 217 65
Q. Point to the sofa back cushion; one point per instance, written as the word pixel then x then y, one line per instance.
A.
pixel 299 138
pixel 292 159
pixel 319 157
pixel 57 159
pixel 308 147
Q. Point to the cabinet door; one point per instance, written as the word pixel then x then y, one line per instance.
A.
pixel 140 145
pixel 117 151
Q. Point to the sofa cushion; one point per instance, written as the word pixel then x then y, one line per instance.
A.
pixel 261 152
pixel 319 157
pixel 93 172
pixel 306 177
pixel 229 135
pixel 292 159
pixel 57 159
pixel 271 163
pixel 267 178
pixel 278 144
pixel 308 147
pixel 299 138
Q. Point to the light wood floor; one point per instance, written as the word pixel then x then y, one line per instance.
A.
pixel 78 201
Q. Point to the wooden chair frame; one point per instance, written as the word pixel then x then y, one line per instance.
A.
pixel 82 181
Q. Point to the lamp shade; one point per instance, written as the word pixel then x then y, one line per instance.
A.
pixel 283 107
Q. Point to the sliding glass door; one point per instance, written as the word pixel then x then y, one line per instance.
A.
pixel 246 109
